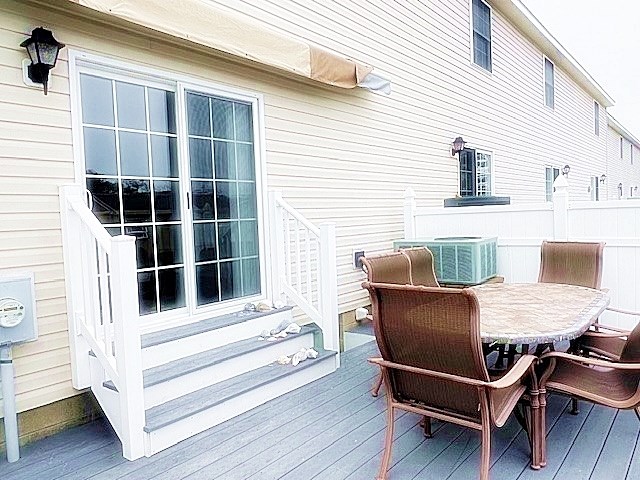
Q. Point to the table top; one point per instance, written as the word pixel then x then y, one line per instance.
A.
pixel 536 312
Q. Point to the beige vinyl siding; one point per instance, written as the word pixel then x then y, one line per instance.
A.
pixel 620 169
pixel 342 156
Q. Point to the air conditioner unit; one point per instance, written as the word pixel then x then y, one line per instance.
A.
pixel 459 260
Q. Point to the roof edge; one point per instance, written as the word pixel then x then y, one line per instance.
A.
pixel 618 127
pixel 528 24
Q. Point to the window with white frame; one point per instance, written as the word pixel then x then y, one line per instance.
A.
pixel 550 175
pixel 596 118
pixel 135 175
pixel 549 83
pixel 481 13
pixel 595 188
pixel 631 152
pixel 475 173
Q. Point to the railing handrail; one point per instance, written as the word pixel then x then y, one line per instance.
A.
pixel 294 213
pixel 100 233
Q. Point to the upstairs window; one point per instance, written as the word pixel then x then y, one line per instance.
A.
pixel 596 118
pixel 549 83
pixel 481 34
pixel 631 152
pixel 621 147
pixel 475 173
pixel 550 175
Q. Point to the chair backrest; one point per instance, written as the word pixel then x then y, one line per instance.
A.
pixel 388 268
pixel 573 263
pixel 422 271
pixel 631 351
pixel 431 328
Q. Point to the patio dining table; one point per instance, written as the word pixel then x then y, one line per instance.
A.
pixel 536 313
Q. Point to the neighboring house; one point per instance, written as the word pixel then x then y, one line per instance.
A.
pixel 623 162
pixel 131 85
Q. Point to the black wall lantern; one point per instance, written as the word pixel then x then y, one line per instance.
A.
pixel 565 170
pixel 43 51
pixel 603 178
pixel 457 145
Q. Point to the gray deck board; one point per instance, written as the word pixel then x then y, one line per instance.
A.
pixel 333 429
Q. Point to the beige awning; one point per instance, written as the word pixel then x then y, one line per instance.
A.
pixel 209 25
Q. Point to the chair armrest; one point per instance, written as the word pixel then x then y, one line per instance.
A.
pixel 515 374
pixel 429 373
pixel 620 310
pixel 590 361
pixel 615 332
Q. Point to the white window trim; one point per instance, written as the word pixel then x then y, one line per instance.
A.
pixel 493 166
pixel 544 82
pixel 552 167
pixel 471 59
pixel 82 62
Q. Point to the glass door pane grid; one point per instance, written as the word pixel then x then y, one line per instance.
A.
pixel 124 226
pixel 235 215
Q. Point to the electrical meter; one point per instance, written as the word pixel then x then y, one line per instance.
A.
pixel 11 312
pixel 18 320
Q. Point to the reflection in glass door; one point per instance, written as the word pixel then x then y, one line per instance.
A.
pixel 132 172
pixel 223 186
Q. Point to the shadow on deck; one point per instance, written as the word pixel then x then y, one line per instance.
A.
pixel 333 429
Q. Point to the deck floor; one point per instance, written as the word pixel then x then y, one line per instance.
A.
pixel 333 429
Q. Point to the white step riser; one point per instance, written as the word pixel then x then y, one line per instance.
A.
pixel 109 400
pixel 183 347
pixel 176 432
pixel 184 384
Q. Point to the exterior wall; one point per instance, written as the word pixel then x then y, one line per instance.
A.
pixel 619 168
pixel 343 156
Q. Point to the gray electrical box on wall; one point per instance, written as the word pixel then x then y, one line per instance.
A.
pixel 18 321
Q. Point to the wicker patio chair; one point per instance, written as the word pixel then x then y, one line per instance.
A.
pixel 572 263
pixel 432 364
pixel 614 384
pixel 422 267
pixel 391 268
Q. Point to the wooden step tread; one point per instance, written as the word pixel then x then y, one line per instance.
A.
pixel 192 363
pixel 192 403
pixel 202 326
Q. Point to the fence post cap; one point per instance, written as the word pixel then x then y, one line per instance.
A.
pixel 561 183
pixel 409 193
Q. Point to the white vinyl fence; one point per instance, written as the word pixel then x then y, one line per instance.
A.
pixel 522 228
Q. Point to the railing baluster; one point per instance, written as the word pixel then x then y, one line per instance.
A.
pixel 287 248
pixel 308 265
pixel 298 266
pixel 104 299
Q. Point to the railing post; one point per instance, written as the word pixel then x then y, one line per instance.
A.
pixel 127 345
pixel 73 279
pixel 329 288
pixel 276 238
pixel 409 214
pixel 561 208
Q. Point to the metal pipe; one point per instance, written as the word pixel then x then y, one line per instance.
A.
pixel 9 402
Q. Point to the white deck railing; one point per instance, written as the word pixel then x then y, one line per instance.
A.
pixel 522 228
pixel 303 266
pixel 102 301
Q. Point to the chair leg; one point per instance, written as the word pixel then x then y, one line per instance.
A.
pixel 542 427
pixel 485 459
pixel 575 410
pixel 376 387
pixel 388 442
pixel 427 427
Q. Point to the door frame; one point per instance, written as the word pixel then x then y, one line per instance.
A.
pixel 86 62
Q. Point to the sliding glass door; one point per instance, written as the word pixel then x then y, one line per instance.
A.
pixel 195 218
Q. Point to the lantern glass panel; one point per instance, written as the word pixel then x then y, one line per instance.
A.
pixel 48 54
pixel 33 52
